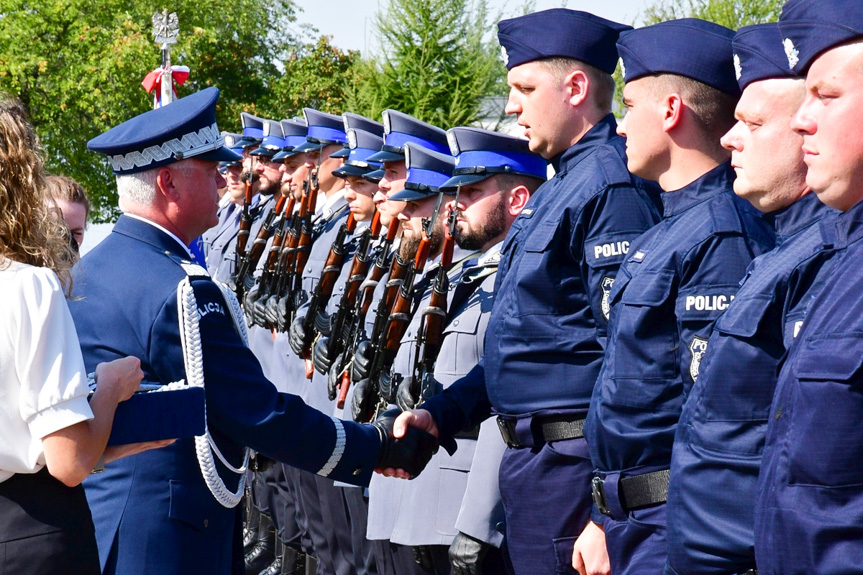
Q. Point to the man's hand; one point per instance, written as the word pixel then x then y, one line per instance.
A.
pixel 405 455
pixel 589 555
pixel 466 555
pixel 404 395
pixel 297 335
pixel 334 375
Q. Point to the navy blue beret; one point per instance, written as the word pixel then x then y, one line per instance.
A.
pixel 427 170
pixel 362 145
pixel 758 54
pixel 273 140
pixel 689 47
pixel 184 129
pixel 400 128
pixel 253 130
pixel 811 27
pixel 481 154
pixel 324 129
pixel 560 33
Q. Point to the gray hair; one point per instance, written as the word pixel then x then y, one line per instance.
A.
pixel 138 188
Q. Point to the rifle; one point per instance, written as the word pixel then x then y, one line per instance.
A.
pixel 324 288
pixel 249 261
pixel 270 265
pixel 246 217
pixel 434 318
pixel 363 303
pixel 385 347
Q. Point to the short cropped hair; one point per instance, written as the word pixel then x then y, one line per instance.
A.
pixel 602 84
pixel 712 108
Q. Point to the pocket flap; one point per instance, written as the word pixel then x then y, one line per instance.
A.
pixel 650 288
pixel 743 317
pixel 829 359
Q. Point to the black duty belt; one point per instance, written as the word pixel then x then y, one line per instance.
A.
pixel 635 492
pixel 545 429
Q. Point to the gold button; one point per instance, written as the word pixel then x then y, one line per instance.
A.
pixel 206 522
pixel 357 471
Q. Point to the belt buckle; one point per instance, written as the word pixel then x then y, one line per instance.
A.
pixel 597 489
pixel 507 433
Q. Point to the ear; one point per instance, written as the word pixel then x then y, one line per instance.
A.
pixel 166 185
pixel 672 111
pixel 518 197
pixel 578 85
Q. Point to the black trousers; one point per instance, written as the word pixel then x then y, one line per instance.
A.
pixel 45 528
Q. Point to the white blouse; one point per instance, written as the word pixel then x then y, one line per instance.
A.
pixel 43 385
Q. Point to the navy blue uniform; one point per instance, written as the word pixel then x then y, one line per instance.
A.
pixel 543 347
pixel 677 279
pixel 153 511
pixel 809 514
pixel 720 437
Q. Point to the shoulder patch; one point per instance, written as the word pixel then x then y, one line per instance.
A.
pixel 605 284
pixel 697 347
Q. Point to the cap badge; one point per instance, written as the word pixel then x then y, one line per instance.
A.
pixel 504 56
pixel 622 68
pixel 792 53
pixel 738 69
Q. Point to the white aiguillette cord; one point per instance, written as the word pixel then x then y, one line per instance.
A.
pixel 190 338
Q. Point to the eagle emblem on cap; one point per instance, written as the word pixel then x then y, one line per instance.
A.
pixel 622 68
pixel 738 69
pixel 792 52
pixel 504 56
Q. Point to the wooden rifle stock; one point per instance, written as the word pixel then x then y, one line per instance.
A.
pixel 325 286
pixel 246 217
pixel 250 260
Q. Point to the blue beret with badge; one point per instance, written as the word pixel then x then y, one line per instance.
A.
pixel 809 28
pixel 758 54
pixel 560 33
pixel 361 146
pixel 294 132
pixel 689 47
pixel 401 128
pixel 427 170
pixel 253 130
pixel 185 129
pixel 324 130
pixel 481 154
pixel 272 142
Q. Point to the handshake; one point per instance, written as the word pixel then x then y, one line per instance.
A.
pixel 407 445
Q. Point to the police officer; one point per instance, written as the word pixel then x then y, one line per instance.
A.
pixel 676 280
pixel 808 516
pixel 495 176
pixel 717 448
pixel 215 240
pixel 137 293
pixel 547 324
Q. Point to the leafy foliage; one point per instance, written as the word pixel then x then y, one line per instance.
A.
pixel 437 61
pixel 78 65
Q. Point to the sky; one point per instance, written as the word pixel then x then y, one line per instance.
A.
pixel 350 22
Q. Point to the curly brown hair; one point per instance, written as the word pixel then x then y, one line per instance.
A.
pixel 30 232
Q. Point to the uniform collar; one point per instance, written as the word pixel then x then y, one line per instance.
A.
pixel 846 229
pixel 146 230
pixel 799 215
pixel 601 133
pixel 716 181
pixel 330 205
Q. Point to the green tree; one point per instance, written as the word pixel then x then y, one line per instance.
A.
pixel 436 60
pixel 78 65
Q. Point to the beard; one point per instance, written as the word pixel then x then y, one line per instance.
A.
pixel 494 224
pixel 409 246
